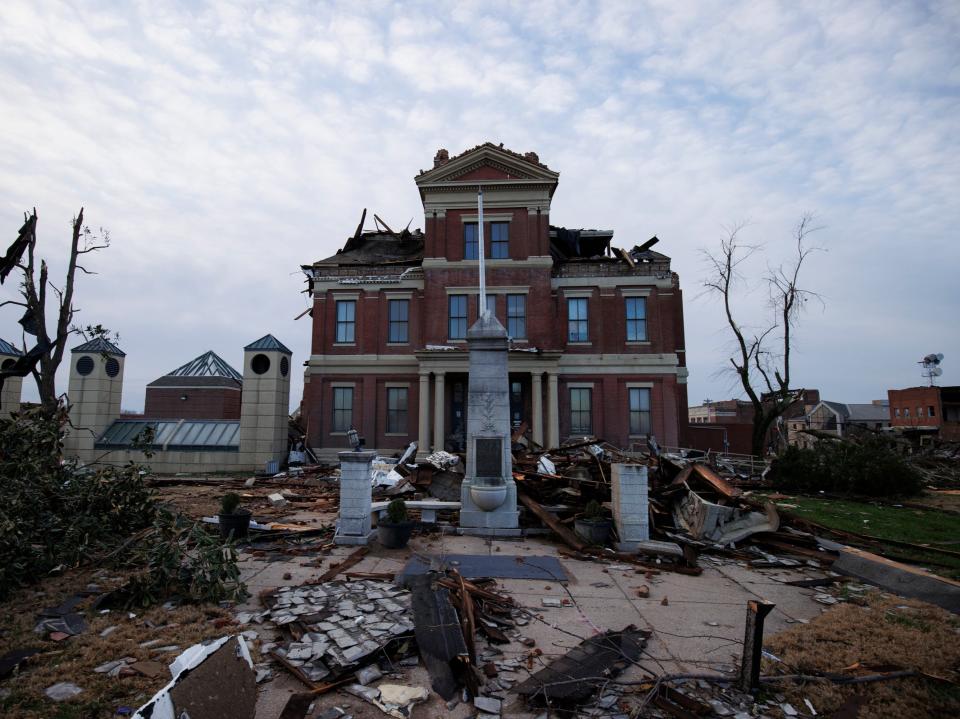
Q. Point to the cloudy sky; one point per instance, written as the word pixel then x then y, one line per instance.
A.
pixel 225 144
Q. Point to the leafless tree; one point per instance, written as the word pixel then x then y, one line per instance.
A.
pixel 36 288
pixel 762 356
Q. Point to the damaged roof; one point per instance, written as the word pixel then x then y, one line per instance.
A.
pixel 378 247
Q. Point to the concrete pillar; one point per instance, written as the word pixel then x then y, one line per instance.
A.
pixel 12 386
pixel 628 489
pixel 353 526
pixel 536 408
pixel 424 415
pixel 94 391
pixel 265 403
pixel 553 411
pixel 439 385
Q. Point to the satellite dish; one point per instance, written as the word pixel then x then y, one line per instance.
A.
pixel 931 366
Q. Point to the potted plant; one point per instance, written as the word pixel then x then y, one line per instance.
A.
pixel 395 531
pixel 234 519
pixel 593 526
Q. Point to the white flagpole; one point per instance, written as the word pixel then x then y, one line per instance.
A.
pixel 483 278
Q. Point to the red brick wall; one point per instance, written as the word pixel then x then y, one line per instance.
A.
pixel 201 403
pixel 369 410
pixel 709 437
pixel 912 398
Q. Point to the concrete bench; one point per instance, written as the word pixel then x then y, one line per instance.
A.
pixel 428 508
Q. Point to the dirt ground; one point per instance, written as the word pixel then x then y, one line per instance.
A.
pixel 884 633
pixel 73 659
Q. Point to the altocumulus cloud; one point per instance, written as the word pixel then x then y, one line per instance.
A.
pixel 225 143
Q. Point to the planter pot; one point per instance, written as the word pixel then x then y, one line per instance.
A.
pixel 394 536
pixel 236 524
pixel 595 531
pixel 488 496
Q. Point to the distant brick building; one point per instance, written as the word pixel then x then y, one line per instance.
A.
pixel 724 411
pixel 596 334
pixel 926 410
pixel 204 388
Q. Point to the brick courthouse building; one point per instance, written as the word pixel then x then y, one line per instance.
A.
pixel 596 333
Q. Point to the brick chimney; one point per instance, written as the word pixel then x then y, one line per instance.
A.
pixel 441 157
pixel 532 157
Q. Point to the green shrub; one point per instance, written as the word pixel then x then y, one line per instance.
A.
pixel 51 512
pixel 397 512
pixel 54 514
pixel 229 503
pixel 865 467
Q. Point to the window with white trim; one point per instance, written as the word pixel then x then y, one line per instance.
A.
pixel 342 409
pixel 517 316
pixel 639 398
pixel 636 319
pixel 457 317
pixel 581 414
pixel 577 327
pixel 396 410
pixel 346 320
pixel 399 325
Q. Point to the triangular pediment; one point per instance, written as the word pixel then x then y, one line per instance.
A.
pixel 488 162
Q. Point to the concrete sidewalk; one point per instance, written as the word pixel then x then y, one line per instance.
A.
pixel 697 623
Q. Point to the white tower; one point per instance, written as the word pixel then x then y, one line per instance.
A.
pixel 265 408
pixel 96 382
pixel 10 395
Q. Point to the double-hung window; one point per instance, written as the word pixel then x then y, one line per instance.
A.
pixel 636 319
pixel 471 242
pixel 457 317
pixel 491 305
pixel 399 325
pixel 577 329
pixel 581 415
pixel 499 240
pixel 639 410
pixel 346 321
pixel 517 316
pixel 342 408
pixel 396 410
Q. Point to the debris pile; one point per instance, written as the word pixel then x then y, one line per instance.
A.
pixel 333 628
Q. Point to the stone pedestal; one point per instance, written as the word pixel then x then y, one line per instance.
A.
pixel 353 526
pixel 488 494
pixel 630 512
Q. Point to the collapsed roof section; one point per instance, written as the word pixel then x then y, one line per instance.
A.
pixel 379 248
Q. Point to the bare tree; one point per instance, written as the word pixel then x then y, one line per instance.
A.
pixel 762 361
pixel 44 358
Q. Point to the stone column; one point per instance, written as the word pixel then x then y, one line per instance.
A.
pixel 553 411
pixel 536 407
pixel 424 423
pixel 439 385
pixel 353 526
pixel 628 489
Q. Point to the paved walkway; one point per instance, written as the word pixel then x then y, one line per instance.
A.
pixel 697 622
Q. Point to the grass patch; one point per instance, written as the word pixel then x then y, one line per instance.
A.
pixel 886 521
pixel 887 630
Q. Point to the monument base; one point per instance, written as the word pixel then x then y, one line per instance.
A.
pixel 504 521
pixel 355 539
pixel 489 532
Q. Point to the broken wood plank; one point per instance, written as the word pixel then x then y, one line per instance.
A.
pixel 568 536
pixel 352 559
pixel 574 677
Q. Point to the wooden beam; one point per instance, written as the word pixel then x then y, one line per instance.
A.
pixel 568 536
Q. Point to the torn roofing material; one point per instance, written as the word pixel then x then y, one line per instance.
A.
pixel 100 345
pixel 574 677
pixel 209 364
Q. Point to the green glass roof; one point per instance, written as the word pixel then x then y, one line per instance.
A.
pixel 194 434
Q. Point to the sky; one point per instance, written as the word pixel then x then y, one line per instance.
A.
pixel 224 144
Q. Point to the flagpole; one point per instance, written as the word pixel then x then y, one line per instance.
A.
pixel 482 312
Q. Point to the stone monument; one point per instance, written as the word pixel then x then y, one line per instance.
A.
pixel 488 494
